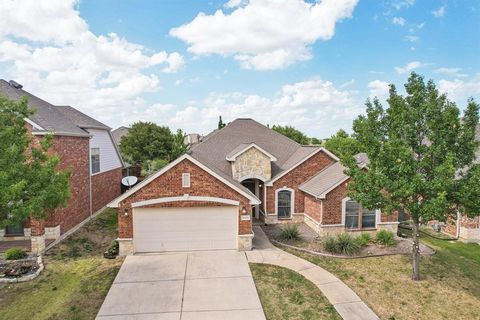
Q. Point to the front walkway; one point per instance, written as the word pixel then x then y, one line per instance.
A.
pixel 347 303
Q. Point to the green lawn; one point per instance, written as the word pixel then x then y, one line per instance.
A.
pixel 75 280
pixel 449 289
pixel 287 295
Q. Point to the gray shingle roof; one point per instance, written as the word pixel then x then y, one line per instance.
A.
pixel 63 120
pixel 325 180
pixel 215 147
pixel 81 119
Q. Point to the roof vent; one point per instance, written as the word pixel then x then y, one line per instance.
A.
pixel 15 84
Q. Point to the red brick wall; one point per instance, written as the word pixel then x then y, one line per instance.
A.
pixel 170 185
pixel 73 153
pixel 295 178
pixel 332 205
pixel 471 223
pixel 312 207
pixel 106 186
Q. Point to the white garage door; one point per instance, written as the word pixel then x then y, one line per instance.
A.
pixel 185 229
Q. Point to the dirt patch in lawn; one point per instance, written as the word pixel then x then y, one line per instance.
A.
pixel 309 240
pixel 286 294
pixel 75 281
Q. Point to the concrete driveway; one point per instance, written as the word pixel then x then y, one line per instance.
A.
pixel 194 285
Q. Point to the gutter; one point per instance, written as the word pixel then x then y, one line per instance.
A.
pixel 90 177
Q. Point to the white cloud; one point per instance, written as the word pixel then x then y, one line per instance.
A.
pixel 48 47
pixel 409 67
pixel 440 12
pixel 314 106
pixel 453 72
pixel 460 90
pixel 411 38
pixel 378 89
pixel 347 83
pixel 400 4
pixel 265 34
pixel 398 21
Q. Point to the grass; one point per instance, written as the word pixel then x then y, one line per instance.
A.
pixel 75 281
pixel 286 294
pixel 449 289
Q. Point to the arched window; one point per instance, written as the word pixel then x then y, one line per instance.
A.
pixel 357 217
pixel 285 202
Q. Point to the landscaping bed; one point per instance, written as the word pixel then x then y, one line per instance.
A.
pixel 76 278
pixel 18 268
pixel 286 294
pixel 308 240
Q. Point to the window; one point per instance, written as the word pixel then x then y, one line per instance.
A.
pixel 186 180
pixel 358 217
pixel 284 203
pixel 95 159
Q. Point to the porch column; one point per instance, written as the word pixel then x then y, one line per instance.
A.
pixel 257 194
pixel 38 236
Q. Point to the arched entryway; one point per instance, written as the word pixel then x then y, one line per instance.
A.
pixel 257 187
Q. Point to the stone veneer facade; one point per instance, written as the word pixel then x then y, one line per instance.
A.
pixel 252 163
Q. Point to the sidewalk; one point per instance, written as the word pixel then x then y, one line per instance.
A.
pixel 347 303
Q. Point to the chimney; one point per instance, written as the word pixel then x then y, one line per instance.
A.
pixel 15 84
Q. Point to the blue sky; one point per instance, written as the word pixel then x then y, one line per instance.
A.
pixel 310 64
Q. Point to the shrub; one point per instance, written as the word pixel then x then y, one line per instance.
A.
pixel 330 244
pixel 112 251
pixel 343 243
pixel 385 238
pixel 15 254
pixel 363 239
pixel 346 244
pixel 289 232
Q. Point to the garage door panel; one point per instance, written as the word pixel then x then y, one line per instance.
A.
pixel 185 229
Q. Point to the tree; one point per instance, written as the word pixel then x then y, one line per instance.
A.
pixel 147 142
pixel 342 144
pixel 221 124
pixel 292 133
pixel 420 157
pixel 30 184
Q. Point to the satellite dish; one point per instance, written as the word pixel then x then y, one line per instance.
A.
pixel 129 181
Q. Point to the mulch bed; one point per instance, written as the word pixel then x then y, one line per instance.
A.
pixel 311 241
pixel 18 268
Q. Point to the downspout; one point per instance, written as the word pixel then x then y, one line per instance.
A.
pixel 459 217
pixel 90 176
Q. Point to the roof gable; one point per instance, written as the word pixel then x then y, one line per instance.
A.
pixel 245 147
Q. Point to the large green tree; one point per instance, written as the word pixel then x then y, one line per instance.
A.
pixel 292 133
pixel 342 144
pixel 148 143
pixel 421 155
pixel 30 184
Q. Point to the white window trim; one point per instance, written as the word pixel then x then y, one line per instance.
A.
pixel 344 201
pixel 99 161
pixel 186 180
pixel 292 207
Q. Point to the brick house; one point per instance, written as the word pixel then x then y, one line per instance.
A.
pixel 209 197
pixel 464 228
pixel 84 145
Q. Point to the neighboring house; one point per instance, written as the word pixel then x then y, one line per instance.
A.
pixel 119 133
pixel 84 145
pixel 464 228
pixel 207 198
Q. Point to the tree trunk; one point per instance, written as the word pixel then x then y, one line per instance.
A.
pixel 416 251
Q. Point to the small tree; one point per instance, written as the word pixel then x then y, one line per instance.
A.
pixel 221 124
pixel 292 133
pixel 342 144
pixel 147 142
pixel 420 157
pixel 30 184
